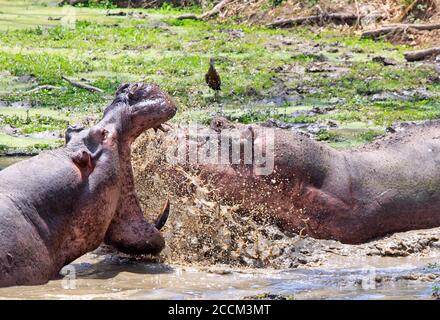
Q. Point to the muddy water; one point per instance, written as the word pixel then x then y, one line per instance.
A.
pixel 113 277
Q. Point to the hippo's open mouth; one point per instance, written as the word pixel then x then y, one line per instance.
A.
pixel 136 108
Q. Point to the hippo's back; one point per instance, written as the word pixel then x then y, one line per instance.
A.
pixel 46 172
pixel 36 201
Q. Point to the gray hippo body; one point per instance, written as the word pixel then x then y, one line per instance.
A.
pixel 353 196
pixel 308 188
pixel 62 204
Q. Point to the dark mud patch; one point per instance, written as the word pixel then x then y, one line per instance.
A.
pixel 16 104
pixel 405 95
pixel 310 129
pixel 327 70
pixel 270 296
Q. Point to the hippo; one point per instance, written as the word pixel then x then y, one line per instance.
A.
pixel 352 196
pixel 391 185
pixel 61 204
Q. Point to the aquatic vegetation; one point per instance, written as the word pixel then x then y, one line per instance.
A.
pixel 433 266
pixel 256 64
pixel 26 145
pixel 325 135
pixel 33 123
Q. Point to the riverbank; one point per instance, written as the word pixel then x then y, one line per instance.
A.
pixel 332 85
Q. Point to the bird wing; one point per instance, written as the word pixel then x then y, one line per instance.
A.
pixel 215 79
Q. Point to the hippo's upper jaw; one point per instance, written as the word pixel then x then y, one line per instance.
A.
pixel 136 108
pixel 139 107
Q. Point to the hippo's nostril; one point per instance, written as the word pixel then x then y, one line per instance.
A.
pixel 104 134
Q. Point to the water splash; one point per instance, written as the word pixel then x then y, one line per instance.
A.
pixel 202 230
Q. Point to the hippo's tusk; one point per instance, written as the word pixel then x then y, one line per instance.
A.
pixel 163 216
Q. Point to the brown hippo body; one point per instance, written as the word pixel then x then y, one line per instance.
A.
pixel 61 204
pixel 44 227
pixel 352 196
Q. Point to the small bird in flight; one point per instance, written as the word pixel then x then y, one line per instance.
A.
pixel 212 77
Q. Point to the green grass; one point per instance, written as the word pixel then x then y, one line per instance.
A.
pixel 26 145
pixel 175 53
pixel 33 123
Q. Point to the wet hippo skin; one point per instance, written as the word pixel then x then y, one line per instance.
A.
pixel 63 203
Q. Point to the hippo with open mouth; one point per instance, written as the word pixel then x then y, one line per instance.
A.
pixel 353 196
pixel 304 186
pixel 62 204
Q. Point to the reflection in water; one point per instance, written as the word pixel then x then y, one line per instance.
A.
pixel 112 277
pixel 6 161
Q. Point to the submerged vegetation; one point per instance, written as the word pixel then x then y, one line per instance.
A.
pixel 286 76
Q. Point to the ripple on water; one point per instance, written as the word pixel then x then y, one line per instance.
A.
pixel 107 277
pixel 6 161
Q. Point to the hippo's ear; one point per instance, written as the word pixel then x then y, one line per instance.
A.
pixel 83 159
pixel 71 130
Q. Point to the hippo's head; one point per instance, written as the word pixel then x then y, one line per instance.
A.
pixel 139 107
pixel 136 108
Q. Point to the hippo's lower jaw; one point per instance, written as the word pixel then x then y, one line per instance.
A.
pixel 131 233
pixel 135 238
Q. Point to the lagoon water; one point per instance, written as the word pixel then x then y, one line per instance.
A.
pixel 95 276
pixel 7 161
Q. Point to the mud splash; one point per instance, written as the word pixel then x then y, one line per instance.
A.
pixel 202 231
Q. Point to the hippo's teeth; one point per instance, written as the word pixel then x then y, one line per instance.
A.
pixel 161 128
pixel 163 216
